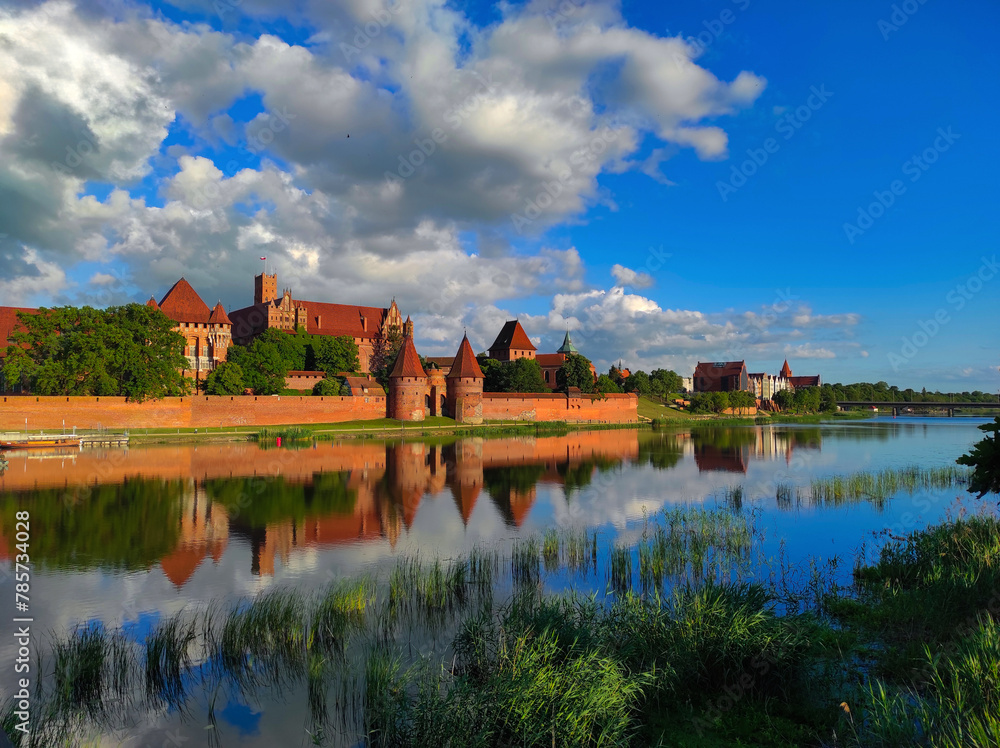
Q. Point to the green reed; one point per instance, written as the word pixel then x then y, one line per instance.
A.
pixel 879 486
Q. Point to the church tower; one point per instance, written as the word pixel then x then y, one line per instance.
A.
pixel 265 288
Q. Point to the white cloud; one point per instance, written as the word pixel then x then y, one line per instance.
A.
pixel 627 277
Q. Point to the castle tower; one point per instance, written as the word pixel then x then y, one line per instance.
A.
pixel 437 389
pixel 407 385
pixel 465 386
pixel 265 288
pixel 786 370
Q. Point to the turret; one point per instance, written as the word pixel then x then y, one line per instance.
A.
pixel 408 396
pixel 465 386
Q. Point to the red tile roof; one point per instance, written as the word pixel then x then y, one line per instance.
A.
pixel 550 359
pixel 365 386
pixel 9 322
pixel 219 316
pixel 804 381
pixel 152 303
pixel 714 370
pixel 321 318
pixel 182 304
pixel 442 362
pixel 407 362
pixel 786 370
pixel 465 363
pixel 512 336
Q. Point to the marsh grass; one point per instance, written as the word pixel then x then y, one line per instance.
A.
pixel 269 435
pixel 686 650
pixel 879 486
pixel 930 601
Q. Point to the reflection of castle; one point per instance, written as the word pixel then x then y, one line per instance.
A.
pixel 386 492
pixel 731 450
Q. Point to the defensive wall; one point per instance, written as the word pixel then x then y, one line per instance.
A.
pixel 508 406
pixel 198 411
pixel 203 411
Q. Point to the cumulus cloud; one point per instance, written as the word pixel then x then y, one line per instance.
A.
pixel 627 277
pixel 393 152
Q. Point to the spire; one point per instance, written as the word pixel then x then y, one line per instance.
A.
pixel 407 362
pixel 465 364
pixel 567 347
pixel 786 370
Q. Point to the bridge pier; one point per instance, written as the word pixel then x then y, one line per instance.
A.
pixel 951 412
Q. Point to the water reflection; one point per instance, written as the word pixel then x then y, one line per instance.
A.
pixel 179 506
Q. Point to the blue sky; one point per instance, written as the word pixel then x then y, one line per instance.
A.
pixel 220 134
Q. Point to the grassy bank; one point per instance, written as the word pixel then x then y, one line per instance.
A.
pixel 685 648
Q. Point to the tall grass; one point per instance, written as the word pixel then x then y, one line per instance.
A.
pixel 879 486
pixel 685 650
pixel 269 435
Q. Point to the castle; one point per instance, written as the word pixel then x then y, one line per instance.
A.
pixel 363 324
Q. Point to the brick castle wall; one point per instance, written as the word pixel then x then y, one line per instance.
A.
pixel 612 408
pixel 51 413
pixel 200 411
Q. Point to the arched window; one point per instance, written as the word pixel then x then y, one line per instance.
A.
pixel 546 377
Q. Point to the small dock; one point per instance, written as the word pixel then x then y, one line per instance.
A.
pixel 43 441
pixel 104 440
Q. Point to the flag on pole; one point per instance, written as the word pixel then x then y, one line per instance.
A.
pixel 263 258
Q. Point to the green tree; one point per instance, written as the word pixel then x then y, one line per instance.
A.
pixel 784 399
pixel 575 372
pixel 291 348
pixel 664 382
pixel 227 379
pixel 263 366
pixel 984 458
pixel 328 387
pixel 742 399
pixel 606 384
pixel 638 383
pixel 336 354
pixel 720 402
pixel 522 375
pixel 385 349
pixel 130 351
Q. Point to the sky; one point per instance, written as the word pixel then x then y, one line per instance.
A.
pixel 672 183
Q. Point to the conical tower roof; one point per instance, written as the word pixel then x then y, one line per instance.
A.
pixel 219 316
pixel 786 370
pixel 567 347
pixel 465 363
pixel 407 362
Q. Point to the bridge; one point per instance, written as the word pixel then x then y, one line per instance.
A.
pixel 898 406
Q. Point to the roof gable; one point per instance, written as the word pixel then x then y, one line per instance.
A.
pixel 719 368
pixel 182 304
pixel 465 363
pixel 512 336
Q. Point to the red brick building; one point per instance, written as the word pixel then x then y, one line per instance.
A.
pixel 361 323
pixel 721 376
pixel 207 332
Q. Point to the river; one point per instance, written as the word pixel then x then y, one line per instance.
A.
pixel 130 537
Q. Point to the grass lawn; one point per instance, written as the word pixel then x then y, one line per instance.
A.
pixel 652 409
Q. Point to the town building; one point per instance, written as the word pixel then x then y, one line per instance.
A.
pixel 364 324
pixel 721 376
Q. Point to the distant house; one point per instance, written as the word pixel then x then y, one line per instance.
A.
pixel 721 376
pixel 361 386
pixel 512 343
